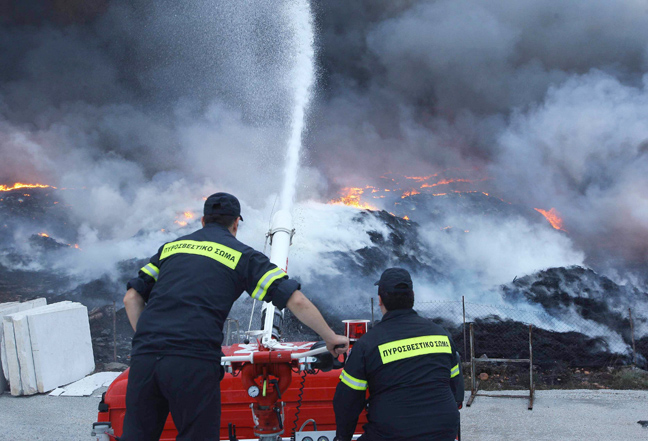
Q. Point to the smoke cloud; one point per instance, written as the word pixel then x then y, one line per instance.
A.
pixel 146 107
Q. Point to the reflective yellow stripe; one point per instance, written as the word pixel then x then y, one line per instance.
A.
pixel 413 347
pixel 265 281
pixel 454 371
pixel 353 382
pixel 220 253
pixel 151 270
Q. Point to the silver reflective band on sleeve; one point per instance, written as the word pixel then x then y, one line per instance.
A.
pixel 265 281
pixel 454 371
pixel 151 270
pixel 352 382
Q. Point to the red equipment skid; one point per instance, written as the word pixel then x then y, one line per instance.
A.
pixel 278 380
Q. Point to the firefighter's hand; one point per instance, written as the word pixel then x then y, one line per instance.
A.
pixel 337 345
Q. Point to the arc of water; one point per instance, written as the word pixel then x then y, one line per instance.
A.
pixel 302 77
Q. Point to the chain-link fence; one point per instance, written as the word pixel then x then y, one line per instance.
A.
pixel 578 339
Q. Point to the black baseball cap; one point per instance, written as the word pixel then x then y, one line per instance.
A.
pixel 223 203
pixel 392 278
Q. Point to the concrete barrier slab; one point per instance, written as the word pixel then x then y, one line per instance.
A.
pixel 6 309
pixel 20 362
pixel 63 356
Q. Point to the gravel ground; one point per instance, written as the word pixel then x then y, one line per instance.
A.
pixel 557 415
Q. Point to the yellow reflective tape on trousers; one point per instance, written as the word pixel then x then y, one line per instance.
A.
pixel 352 382
pixel 151 270
pixel 265 281
pixel 454 371
pixel 220 253
pixel 413 347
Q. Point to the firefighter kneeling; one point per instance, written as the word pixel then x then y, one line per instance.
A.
pixel 412 370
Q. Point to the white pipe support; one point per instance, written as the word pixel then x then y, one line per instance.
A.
pixel 280 234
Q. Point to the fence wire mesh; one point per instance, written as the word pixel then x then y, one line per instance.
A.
pixel 575 340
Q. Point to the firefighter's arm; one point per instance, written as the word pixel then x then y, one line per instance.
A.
pixel 457 382
pixel 349 399
pixel 266 282
pixel 134 304
pixel 309 315
pixel 139 288
pixel 456 376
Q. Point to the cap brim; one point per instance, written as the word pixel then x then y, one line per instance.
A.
pixel 377 283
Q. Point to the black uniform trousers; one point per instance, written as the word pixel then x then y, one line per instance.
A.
pixel 188 387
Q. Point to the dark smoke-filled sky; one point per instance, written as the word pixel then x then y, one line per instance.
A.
pixel 147 104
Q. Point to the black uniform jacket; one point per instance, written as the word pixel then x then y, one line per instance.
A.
pixel 190 285
pixel 410 366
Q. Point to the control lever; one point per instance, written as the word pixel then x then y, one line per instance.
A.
pixel 231 428
pixel 276 386
pixel 278 411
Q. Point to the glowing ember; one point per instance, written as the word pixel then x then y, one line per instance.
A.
pixel 421 178
pixel 406 218
pixel 351 197
pixel 553 217
pixel 446 182
pixel 188 214
pixel 412 192
pixel 43 234
pixel 18 185
pixel 181 223
pixel 76 245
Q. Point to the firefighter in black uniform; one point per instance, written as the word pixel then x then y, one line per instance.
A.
pixel 412 370
pixel 177 306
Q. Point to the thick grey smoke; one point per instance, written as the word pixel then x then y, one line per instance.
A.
pixel 547 98
pixel 150 105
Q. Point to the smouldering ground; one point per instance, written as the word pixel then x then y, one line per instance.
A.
pixel 566 415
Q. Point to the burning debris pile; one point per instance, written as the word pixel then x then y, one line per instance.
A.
pixel 581 317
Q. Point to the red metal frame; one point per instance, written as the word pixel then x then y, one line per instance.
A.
pixel 316 401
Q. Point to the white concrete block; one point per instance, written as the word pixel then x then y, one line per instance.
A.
pixel 6 309
pixel 65 355
pixel 20 362
pixel 13 367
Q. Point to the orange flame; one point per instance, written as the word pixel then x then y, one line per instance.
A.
pixel 18 185
pixel 351 197
pixel 43 234
pixel 406 218
pixel 553 217
pixel 188 214
pixel 412 192
pixel 181 223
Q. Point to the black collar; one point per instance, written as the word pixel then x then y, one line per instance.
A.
pixel 398 313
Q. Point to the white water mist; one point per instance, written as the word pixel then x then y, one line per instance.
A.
pixel 301 78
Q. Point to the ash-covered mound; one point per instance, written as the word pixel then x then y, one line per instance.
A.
pixel 576 292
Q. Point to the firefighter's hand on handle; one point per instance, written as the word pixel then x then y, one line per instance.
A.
pixel 337 345
pixel 309 315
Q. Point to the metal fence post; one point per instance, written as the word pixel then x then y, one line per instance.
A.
pixel 473 380
pixel 463 304
pixel 531 388
pixel 114 311
pixel 634 350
